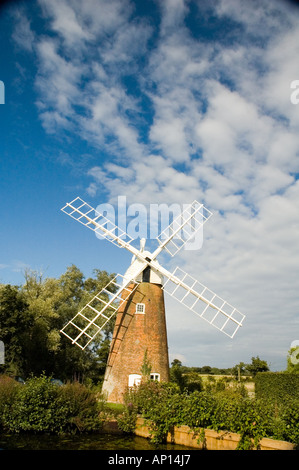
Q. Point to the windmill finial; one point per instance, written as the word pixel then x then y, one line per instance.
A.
pixel 142 244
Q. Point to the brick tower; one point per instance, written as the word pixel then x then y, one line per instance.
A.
pixel 139 338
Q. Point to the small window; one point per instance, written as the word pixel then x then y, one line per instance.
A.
pixel 155 376
pixel 140 308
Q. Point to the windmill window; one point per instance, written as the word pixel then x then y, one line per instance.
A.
pixel 155 376
pixel 140 308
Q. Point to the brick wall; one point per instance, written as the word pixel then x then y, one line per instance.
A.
pixel 134 336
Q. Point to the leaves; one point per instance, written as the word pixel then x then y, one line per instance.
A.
pixel 42 406
pixel 31 317
pixel 164 406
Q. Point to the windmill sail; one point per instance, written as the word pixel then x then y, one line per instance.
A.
pixel 94 220
pixel 204 302
pixel 183 228
pixel 88 323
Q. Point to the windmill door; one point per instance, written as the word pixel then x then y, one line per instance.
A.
pixel 134 380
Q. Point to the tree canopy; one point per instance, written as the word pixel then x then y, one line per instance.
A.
pixel 31 317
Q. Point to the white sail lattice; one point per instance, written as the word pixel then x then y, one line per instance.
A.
pixel 183 228
pixel 88 323
pixel 204 302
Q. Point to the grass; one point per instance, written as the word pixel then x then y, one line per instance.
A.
pixel 115 408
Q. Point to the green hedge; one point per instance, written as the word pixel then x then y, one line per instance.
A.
pixel 277 386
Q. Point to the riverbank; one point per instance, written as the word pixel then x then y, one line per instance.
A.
pixel 113 438
pixel 209 439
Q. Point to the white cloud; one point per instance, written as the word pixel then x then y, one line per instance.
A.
pixel 65 21
pixel 57 82
pixel 217 126
pixel 23 35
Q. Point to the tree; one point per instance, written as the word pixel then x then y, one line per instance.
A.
pixel 239 370
pixel 206 370
pixel 146 367
pixel 257 365
pixel 176 374
pixel 31 317
pixel 15 322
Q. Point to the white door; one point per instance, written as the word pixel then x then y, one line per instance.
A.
pixel 134 379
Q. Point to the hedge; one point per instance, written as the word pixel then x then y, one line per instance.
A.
pixel 277 386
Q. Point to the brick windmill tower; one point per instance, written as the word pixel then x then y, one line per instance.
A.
pixel 139 347
pixel 139 344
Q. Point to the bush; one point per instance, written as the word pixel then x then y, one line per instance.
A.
pixel 31 408
pixel 41 406
pixel 164 406
pixel 9 389
pixel 198 410
pixel 159 403
pixel 290 420
pixel 78 408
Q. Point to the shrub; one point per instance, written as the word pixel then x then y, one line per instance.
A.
pixel 77 408
pixel 161 404
pixel 31 408
pixel 164 407
pixel 290 419
pixel 9 389
pixel 198 409
pixel 41 406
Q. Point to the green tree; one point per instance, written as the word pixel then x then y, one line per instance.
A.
pixel 239 369
pixel 43 298
pixel 176 374
pixel 257 365
pixel 15 322
pixel 31 317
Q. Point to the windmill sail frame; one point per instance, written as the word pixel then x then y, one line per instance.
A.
pixel 91 319
pixel 94 316
pixel 216 311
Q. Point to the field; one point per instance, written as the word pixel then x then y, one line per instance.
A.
pixel 230 380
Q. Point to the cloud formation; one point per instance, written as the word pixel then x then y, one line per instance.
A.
pixel 193 105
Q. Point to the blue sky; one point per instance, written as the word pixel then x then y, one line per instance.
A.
pixel 161 101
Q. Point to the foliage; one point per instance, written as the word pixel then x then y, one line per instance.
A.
pixel 146 366
pixel 257 365
pixel 177 376
pixel 42 406
pixel 190 381
pixel 277 386
pixel 14 323
pixel 31 317
pixel 164 406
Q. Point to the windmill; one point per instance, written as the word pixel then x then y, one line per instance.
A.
pixel 137 299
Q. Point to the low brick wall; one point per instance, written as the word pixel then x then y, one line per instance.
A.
pixel 213 440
